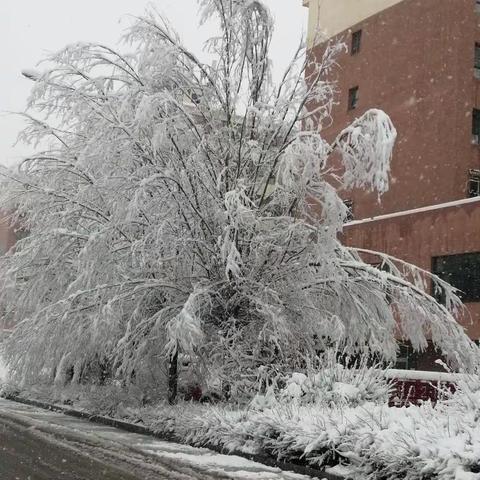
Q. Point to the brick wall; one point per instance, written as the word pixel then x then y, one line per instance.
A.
pixel 418 237
pixel 416 62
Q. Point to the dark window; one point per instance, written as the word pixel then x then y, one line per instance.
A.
pixel 353 101
pixel 476 125
pixel 406 357
pixel 477 55
pixel 356 42
pixel 474 183
pixel 462 271
pixel 349 205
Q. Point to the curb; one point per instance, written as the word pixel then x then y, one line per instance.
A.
pixel 299 468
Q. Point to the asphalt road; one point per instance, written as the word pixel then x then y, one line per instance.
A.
pixel 28 455
pixel 38 444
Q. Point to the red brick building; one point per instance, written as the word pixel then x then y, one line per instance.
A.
pixel 419 61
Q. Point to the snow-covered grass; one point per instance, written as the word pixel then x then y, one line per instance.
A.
pixel 334 385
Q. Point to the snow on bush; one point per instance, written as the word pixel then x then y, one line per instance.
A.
pixel 334 387
pixel 332 384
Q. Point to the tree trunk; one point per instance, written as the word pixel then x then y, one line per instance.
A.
pixel 173 378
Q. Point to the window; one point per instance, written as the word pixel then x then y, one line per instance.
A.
pixel 473 183
pixel 477 6
pixel 353 102
pixel 476 126
pixel 406 357
pixel 462 271
pixel 356 42
pixel 477 60
pixel 349 205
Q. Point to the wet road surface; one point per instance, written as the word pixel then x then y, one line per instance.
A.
pixel 37 444
pixel 26 456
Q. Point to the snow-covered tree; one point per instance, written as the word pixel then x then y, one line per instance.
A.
pixel 179 208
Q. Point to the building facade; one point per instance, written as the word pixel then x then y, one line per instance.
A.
pixel 419 61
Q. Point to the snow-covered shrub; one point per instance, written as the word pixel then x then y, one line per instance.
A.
pixel 344 380
pixel 371 441
pixel 336 380
pixel 465 398
pixel 337 386
pixel 109 400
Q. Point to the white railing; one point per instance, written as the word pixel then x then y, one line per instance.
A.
pixel 425 376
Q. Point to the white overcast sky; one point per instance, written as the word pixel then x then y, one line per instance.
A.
pixel 29 29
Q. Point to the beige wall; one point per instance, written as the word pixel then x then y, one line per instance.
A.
pixel 334 16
